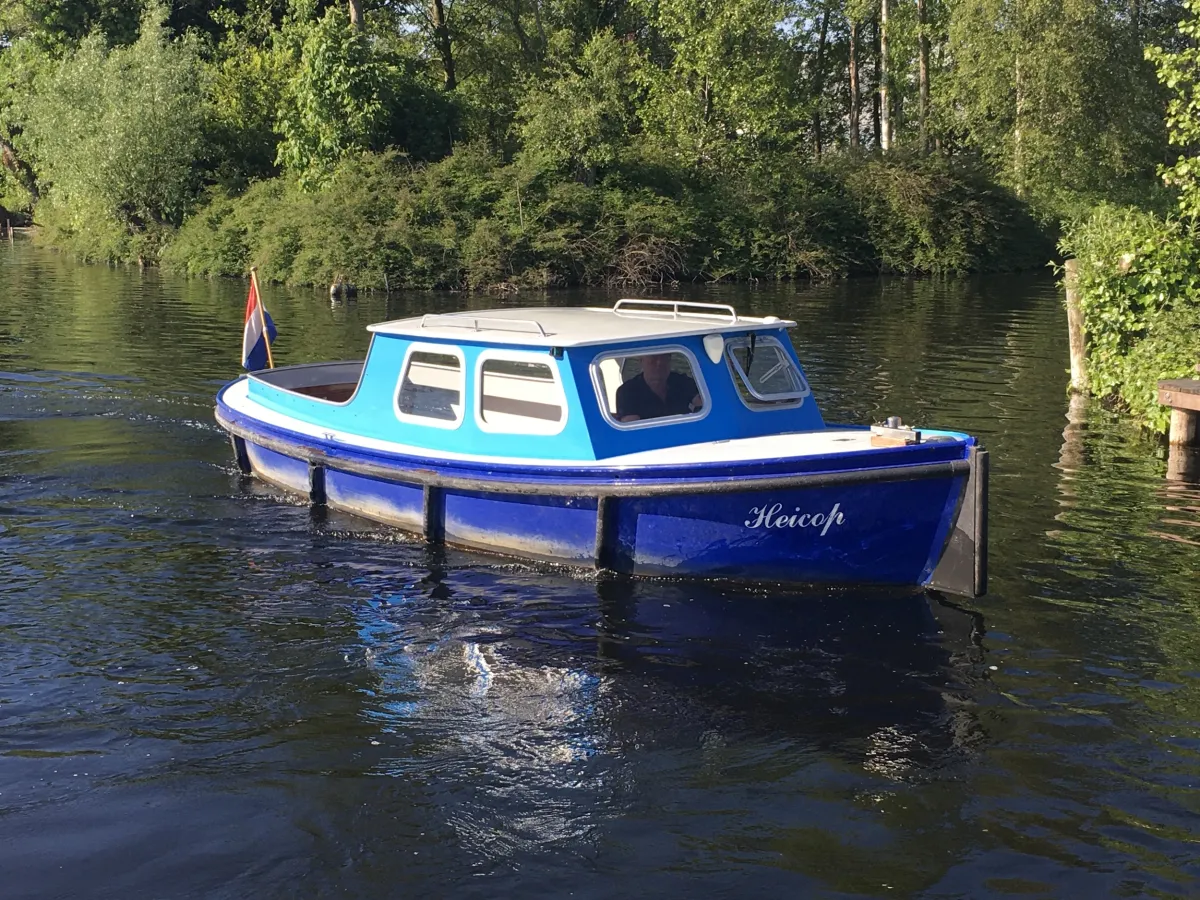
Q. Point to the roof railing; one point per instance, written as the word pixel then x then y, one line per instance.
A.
pixel 496 323
pixel 674 309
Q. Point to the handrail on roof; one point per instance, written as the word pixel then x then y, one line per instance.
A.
pixel 671 308
pixel 465 320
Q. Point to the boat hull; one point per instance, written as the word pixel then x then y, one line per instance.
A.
pixel 884 525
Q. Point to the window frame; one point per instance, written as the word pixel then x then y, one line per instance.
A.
pixel 761 403
pixel 442 350
pixel 625 353
pixel 542 359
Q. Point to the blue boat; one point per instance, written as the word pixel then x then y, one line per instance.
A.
pixel 651 438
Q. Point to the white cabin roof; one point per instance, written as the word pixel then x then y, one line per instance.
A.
pixel 558 326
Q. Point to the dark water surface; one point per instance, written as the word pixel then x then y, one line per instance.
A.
pixel 207 691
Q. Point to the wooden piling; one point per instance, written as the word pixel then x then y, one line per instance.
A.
pixel 1182 395
pixel 1075 331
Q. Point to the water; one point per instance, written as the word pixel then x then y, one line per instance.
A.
pixel 208 691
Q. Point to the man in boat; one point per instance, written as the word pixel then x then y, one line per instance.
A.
pixel 657 392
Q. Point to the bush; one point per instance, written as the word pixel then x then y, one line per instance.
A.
pixel 115 134
pixel 472 221
pixel 1139 289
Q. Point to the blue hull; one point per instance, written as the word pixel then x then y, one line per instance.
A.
pixel 891 519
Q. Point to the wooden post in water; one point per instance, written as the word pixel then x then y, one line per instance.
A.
pixel 1182 395
pixel 1079 379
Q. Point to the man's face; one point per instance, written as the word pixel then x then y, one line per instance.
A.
pixel 656 368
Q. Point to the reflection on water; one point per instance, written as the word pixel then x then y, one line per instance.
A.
pixel 555 691
pixel 207 689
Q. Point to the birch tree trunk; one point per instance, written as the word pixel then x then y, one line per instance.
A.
pixel 876 125
pixel 923 75
pixel 441 40
pixel 855 99
pixel 1018 164
pixel 885 112
pixel 819 78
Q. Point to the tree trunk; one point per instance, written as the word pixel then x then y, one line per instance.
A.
pixel 19 168
pixel 441 40
pixel 1018 174
pixel 885 111
pixel 855 99
pixel 876 125
pixel 356 17
pixel 923 74
pixel 819 79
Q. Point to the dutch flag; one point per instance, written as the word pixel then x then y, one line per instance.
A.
pixel 256 351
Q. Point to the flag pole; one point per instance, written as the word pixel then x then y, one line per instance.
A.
pixel 262 320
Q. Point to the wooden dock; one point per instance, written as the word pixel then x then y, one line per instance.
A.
pixel 1182 395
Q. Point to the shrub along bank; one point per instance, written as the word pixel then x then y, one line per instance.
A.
pixel 1139 288
pixel 474 221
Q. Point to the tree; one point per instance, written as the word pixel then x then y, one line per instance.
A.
pixel 583 119
pixel 1179 72
pixel 885 76
pixel 336 99
pixel 729 82
pixel 116 133
pixel 1056 95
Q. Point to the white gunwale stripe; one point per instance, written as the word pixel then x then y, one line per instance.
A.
pixel 793 445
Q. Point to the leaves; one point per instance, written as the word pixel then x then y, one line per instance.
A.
pixel 115 133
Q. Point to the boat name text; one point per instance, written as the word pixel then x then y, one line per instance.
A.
pixel 774 517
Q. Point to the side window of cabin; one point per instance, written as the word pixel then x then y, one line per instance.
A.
pixel 431 388
pixel 650 385
pixel 520 397
pixel 764 374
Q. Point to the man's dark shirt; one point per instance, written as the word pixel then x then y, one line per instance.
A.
pixel 636 398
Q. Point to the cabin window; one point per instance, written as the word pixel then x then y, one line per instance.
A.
pixel 764 373
pixel 431 386
pixel 520 394
pixel 650 386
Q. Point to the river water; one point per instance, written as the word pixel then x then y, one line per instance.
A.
pixel 206 690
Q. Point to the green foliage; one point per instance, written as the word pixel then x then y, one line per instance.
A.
pixel 336 100
pixel 1169 348
pixel 583 119
pixel 1139 288
pixel 482 142
pixel 1058 97
pixel 1179 71
pixel 115 135
pixel 59 25
pixel 245 88
pixel 924 216
pixel 350 93
pixel 729 83
pixel 472 221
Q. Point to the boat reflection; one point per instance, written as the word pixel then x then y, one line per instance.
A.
pixel 543 669
pixel 533 708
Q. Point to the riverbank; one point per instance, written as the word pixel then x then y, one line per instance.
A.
pixel 1138 285
pixel 474 222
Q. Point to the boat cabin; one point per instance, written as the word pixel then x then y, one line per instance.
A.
pixel 570 384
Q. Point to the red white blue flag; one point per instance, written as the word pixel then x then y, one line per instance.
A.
pixel 256 354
